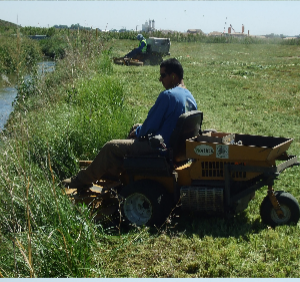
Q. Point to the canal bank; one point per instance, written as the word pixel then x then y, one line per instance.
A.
pixel 8 91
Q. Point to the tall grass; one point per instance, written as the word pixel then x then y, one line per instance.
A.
pixel 42 233
pixel 18 54
pixel 87 101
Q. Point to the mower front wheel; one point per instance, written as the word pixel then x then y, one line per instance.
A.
pixel 289 206
pixel 146 202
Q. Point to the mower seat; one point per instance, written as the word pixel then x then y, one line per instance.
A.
pixel 188 126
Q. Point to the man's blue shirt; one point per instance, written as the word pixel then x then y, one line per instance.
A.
pixel 163 116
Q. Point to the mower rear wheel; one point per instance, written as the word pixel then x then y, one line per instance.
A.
pixel 146 202
pixel 289 206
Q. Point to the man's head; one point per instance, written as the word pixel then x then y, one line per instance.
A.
pixel 171 73
pixel 140 37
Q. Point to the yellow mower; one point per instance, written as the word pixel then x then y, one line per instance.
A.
pixel 206 171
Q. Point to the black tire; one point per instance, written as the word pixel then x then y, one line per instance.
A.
pixel 289 206
pixel 146 202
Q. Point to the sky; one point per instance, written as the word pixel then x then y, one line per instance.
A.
pixel 258 17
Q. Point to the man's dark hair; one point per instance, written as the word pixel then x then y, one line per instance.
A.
pixel 173 66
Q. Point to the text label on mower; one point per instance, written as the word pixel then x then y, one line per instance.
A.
pixel 204 150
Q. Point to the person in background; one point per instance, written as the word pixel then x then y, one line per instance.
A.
pixel 175 100
pixel 141 49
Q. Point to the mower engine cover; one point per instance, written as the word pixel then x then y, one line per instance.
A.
pixel 159 45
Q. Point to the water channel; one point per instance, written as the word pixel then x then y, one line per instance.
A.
pixel 8 91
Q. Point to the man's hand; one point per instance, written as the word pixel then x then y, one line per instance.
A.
pixel 132 134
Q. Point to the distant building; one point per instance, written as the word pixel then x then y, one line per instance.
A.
pixel 215 33
pixel 195 31
pixel 290 37
pixel 232 32
pixel 148 26
pixel 166 31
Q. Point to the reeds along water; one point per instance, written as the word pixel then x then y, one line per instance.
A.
pixel 8 90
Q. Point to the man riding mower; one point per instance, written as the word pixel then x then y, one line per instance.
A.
pixel 149 52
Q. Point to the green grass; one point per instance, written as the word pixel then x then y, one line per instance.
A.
pixel 241 88
pixel 18 55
